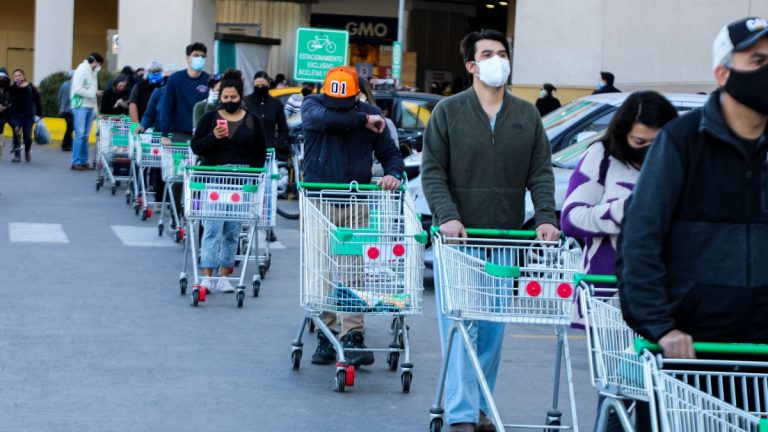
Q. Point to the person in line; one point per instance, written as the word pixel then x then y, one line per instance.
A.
pixel 151 117
pixel 547 102
pixel 83 101
pixel 293 104
pixel 26 108
pixel 279 82
pixel 115 98
pixel 271 113
pixel 65 111
pixel 242 142
pixel 143 90
pixel 183 90
pixel 605 84
pixel 141 73
pixel 5 102
pixel 341 134
pixel 209 104
pixel 466 188
pixel 600 188
pixel 692 254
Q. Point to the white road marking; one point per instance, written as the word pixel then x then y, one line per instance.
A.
pixel 25 232
pixel 141 236
pixel 272 246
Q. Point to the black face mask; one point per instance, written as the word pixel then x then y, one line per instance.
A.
pixel 261 91
pixel 750 88
pixel 230 107
pixel 637 155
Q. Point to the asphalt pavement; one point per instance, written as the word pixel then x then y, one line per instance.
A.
pixel 94 335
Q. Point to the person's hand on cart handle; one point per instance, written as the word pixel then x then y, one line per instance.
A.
pixel 677 344
pixel 165 141
pixel 388 182
pixel 547 232
pixel 375 123
pixel 139 129
pixel 453 228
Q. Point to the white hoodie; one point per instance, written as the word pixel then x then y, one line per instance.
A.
pixel 84 86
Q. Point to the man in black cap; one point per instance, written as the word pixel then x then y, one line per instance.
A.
pixel 692 260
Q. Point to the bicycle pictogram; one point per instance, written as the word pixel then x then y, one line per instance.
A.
pixel 318 43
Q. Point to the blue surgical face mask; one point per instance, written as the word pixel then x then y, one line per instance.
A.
pixel 599 85
pixel 155 77
pixel 198 63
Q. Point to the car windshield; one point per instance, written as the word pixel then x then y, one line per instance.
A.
pixel 560 119
pixel 569 157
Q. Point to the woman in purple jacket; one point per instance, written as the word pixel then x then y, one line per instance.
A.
pixel 602 183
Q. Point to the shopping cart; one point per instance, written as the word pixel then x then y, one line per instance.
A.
pixel 221 193
pixel 173 158
pixel 507 277
pixel 615 369
pixel 361 252
pixel 147 148
pixel 113 153
pixel 708 395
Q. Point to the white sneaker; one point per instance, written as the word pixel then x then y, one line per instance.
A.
pixel 206 284
pixel 224 286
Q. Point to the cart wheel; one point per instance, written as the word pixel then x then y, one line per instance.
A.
pixel 195 297
pixel 311 326
pixel 436 425
pixel 160 230
pixel 350 376
pixel 341 380
pixel 256 288
pixel 405 380
pixel 296 359
pixel 553 422
pixel 98 185
pixel 393 359
pixel 263 271
pixel 128 198
pixel 240 298
pixel 136 209
pixel 183 286
pixel 113 189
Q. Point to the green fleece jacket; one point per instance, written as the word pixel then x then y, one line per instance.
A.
pixel 479 176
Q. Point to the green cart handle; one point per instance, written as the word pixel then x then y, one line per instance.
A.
pixel 489 232
pixel 344 186
pixel 223 169
pixel 595 278
pixel 708 347
pixel 178 144
pixel 270 149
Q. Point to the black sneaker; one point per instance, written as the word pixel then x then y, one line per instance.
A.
pixel 356 340
pixel 324 353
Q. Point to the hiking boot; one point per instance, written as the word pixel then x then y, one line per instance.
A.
pixel 16 158
pixel 324 353
pixel 356 340
pixel 485 424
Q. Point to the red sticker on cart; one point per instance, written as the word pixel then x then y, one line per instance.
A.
pixel 235 197
pixel 398 250
pixel 214 196
pixel 533 289
pixel 564 290
pixel 155 151
pixel 373 252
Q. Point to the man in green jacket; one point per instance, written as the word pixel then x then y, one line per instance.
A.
pixel 482 149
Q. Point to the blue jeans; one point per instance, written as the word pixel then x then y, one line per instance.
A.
pixel 219 244
pixel 463 398
pixel 83 118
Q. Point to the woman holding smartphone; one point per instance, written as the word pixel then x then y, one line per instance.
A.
pixel 228 136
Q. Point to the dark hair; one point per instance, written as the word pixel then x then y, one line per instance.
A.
pixel 262 74
pixel 646 107
pixel 20 70
pixel 232 78
pixel 365 88
pixel 127 70
pixel 607 77
pixel 96 57
pixel 549 88
pixel 280 78
pixel 468 44
pixel 196 46
pixel 141 69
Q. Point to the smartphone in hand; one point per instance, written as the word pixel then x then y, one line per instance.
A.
pixel 223 123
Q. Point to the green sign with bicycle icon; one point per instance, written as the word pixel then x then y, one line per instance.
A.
pixel 318 51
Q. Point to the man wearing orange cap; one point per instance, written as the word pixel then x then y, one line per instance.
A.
pixel 340 135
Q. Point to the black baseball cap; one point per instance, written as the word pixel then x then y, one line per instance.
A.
pixel 738 36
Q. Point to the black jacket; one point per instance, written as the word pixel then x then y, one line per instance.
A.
pixel 25 102
pixel 270 111
pixel 338 147
pixel 607 89
pixel 247 146
pixel 547 104
pixel 693 254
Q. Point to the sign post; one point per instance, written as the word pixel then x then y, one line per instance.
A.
pixel 318 51
pixel 397 61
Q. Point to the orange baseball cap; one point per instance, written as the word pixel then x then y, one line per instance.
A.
pixel 340 88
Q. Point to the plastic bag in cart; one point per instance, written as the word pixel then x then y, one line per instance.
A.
pixel 359 301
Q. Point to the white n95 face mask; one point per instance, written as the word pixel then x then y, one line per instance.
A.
pixel 493 71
